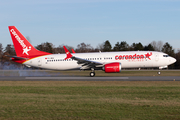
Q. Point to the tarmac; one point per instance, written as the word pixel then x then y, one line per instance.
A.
pixel 131 78
pixel 45 75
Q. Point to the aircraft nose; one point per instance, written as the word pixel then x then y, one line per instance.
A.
pixel 173 60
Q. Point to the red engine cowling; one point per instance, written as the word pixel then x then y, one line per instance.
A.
pixel 112 67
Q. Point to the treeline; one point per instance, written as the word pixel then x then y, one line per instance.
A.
pixel 103 47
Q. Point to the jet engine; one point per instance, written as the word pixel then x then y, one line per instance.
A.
pixel 112 67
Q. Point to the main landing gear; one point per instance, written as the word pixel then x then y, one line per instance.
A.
pixel 92 73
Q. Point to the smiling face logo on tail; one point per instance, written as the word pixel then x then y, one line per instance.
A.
pixel 21 42
pixel 25 50
pixel 22 46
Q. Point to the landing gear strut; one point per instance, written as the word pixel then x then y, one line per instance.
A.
pixel 92 73
pixel 159 72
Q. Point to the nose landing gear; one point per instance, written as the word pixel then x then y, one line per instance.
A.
pixel 92 73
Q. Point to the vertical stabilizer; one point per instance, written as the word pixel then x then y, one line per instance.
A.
pixel 22 46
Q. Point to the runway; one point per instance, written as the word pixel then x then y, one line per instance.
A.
pixel 131 78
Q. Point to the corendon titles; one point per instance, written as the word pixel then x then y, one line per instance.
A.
pixel 135 57
pixel 21 42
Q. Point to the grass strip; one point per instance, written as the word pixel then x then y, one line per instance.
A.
pixel 89 100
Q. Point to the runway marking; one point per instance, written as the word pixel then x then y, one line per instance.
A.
pixel 75 78
pixel 128 78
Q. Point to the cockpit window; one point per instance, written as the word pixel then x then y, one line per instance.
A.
pixel 165 55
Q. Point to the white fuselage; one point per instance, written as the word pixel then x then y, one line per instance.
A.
pixel 129 59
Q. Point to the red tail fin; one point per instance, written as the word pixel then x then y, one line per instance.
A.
pixel 68 54
pixel 22 46
pixel 73 51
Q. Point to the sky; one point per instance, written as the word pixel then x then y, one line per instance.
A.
pixel 71 22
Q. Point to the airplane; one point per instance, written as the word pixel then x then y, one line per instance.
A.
pixel 109 62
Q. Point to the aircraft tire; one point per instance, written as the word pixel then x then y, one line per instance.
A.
pixel 92 74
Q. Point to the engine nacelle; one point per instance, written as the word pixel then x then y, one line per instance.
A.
pixel 112 67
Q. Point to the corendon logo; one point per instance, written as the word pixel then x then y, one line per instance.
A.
pixel 21 42
pixel 67 53
pixel 133 57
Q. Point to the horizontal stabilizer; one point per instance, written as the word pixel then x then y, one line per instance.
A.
pixel 17 58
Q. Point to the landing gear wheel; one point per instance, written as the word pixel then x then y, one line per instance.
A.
pixel 159 73
pixel 92 74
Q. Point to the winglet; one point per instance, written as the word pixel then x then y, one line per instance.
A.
pixel 68 54
pixel 73 51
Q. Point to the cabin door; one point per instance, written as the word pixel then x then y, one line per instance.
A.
pixel 156 57
pixel 39 62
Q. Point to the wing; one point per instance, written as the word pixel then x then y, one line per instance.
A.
pixel 86 64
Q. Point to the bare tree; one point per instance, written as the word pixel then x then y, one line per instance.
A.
pixel 46 47
pixel 28 38
pixel 1 50
pixel 99 47
pixel 60 49
pixel 177 63
pixel 157 45
pixel 10 50
pixel 82 47
pixel 1 53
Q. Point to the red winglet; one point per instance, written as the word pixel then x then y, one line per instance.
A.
pixel 73 51
pixel 68 54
